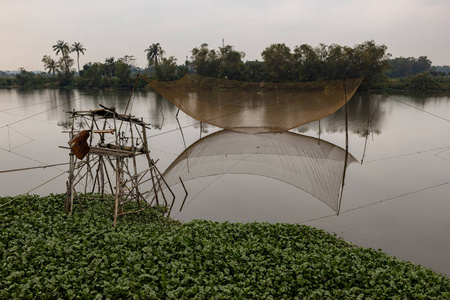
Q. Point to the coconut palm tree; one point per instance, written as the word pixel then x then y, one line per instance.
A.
pixel 154 54
pixel 62 47
pixel 78 48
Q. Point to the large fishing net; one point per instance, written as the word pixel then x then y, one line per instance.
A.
pixel 255 107
pixel 315 166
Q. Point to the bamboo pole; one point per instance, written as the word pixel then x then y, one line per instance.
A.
pixel 96 179
pixel 131 212
pixel 150 162
pixel 131 94
pixel 158 181
pixel 84 175
pixel 31 168
pixel 184 142
pixel 107 175
pixel 143 173
pixel 89 171
pixel 71 168
pixel 368 127
pixel 102 164
pixel 102 176
pixel 346 148
pixel 116 200
pixel 66 203
pixel 78 198
pixel 185 190
pixel 134 161
pixel 91 130
pixel 138 184
pixel 162 178
pixel 320 131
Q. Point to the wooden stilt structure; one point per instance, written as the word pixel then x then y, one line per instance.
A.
pixel 118 145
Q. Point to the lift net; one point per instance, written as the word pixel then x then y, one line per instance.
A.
pixel 314 166
pixel 254 107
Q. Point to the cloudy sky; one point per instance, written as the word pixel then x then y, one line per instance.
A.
pixel 114 28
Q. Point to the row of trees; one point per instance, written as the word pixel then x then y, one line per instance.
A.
pixel 63 66
pixel 111 73
pixel 307 63
pixel 402 67
pixel 304 63
pixel 165 68
pixel 279 64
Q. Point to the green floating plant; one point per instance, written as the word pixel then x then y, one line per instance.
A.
pixel 48 254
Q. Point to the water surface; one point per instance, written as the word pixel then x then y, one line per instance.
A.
pixel 395 196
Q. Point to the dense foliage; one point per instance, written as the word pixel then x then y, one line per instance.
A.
pixel 405 66
pixel 443 70
pixel 280 64
pixel 305 63
pixel 419 82
pixel 47 254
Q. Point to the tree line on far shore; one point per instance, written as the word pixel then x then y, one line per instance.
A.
pixel 279 64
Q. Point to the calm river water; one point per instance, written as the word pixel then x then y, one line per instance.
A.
pixel 396 194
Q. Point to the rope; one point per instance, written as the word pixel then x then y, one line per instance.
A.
pixel 17 121
pixel 45 183
pixel 378 202
pixel 12 108
pixel 422 110
pixel 162 151
pixel 176 129
pixel 218 177
pixel 441 157
pixel 418 152
pixel 31 168
pixel 408 154
pixel 17 197
pixel 21 155
pixel 9 138
pixel 39 113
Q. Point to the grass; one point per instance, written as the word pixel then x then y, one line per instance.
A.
pixel 48 254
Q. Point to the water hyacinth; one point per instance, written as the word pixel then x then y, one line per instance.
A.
pixel 48 254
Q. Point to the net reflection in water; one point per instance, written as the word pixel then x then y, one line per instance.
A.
pixel 312 165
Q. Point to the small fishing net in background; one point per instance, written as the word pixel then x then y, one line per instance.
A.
pixel 254 107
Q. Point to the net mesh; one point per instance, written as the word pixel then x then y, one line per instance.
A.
pixel 254 107
pixel 304 162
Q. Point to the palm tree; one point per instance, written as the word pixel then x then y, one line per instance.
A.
pixel 62 47
pixel 50 64
pixel 78 47
pixel 154 54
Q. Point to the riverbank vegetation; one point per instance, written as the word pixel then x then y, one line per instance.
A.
pixel 48 254
pixel 279 64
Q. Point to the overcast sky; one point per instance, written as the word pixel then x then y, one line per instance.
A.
pixel 114 28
